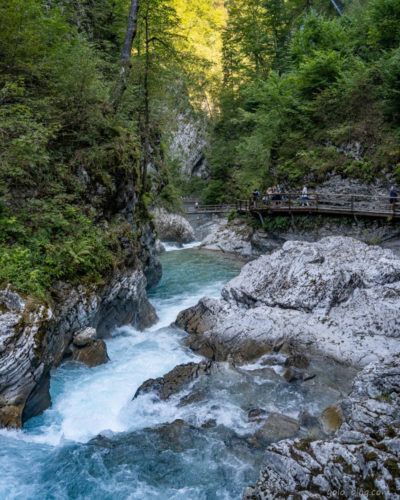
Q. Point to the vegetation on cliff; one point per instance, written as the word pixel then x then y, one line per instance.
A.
pixel 67 149
pixel 306 92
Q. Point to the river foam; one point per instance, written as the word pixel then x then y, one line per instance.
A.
pixel 95 442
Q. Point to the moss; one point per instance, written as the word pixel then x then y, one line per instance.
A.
pixel 304 444
pixel 381 447
pixel 390 432
pixel 370 456
pixel 384 397
pixel 393 468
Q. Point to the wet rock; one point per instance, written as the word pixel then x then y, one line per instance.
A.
pixel 209 424
pixel 84 337
pixel 193 397
pixel 36 338
pixel 331 419
pixel 362 456
pixel 92 354
pixel 175 380
pixel 174 435
pixel 276 427
pixel 308 420
pixel 293 375
pixel 298 361
pixel 172 227
pixel 256 415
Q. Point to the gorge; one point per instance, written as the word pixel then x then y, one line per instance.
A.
pixel 150 351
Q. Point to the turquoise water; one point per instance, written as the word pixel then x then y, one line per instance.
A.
pixel 96 443
pixel 54 455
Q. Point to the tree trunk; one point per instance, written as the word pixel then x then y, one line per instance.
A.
pixel 146 131
pixel 126 53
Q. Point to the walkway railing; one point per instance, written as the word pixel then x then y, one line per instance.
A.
pixel 323 203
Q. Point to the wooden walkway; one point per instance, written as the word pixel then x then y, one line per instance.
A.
pixel 317 203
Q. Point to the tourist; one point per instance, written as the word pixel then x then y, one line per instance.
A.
pixel 393 197
pixel 304 197
pixel 278 194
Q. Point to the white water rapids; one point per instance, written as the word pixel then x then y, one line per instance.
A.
pixel 60 455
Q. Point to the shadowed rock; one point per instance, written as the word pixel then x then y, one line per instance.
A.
pixel 175 380
pixel 275 427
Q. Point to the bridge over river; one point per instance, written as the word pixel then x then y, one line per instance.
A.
pixel 334 204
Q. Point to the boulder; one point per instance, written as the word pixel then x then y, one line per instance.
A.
pixel 293 375
pixel 84 337
pixel 92 354
pixel 175 380
pixel 172 227
pixel 276 427
pixel 331 419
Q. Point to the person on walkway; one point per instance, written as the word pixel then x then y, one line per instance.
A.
pixel 393 197
pixel 304 197
pixel 278 194
pixel 196 205
pixel 256 194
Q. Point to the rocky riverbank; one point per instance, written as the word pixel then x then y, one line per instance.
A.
pixel 338 298
pixel 172 228
pixel 243 238
pixel 36 336
pixel 360 461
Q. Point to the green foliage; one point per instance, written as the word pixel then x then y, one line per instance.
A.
pixel 63 154
pixel 327 81
pixel 277 224
pixel 58 244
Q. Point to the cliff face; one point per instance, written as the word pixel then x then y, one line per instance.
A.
pixel 34 336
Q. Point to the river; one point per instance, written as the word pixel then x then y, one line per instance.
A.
pixel 96 443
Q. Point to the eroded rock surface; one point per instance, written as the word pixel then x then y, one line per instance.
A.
pixel 172 227
pixel 360 461
pixel 34 338
pixel 175 380
pixel 338 297
pixel 238 237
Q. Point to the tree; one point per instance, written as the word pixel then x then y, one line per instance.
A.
pixel 126 53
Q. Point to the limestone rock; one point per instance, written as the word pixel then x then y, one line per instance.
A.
pixel 92 354
pixel 338 298
pixel 360 461
pixel 35 337
pixel 175 380
pixel 234 237
pixel 172 227
pixel 84 337
pixel 160 248
pixel 276 427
